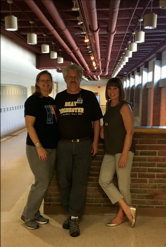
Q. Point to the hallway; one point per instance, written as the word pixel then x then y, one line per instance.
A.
pixel 16 179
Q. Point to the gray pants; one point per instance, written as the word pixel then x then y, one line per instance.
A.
pixel 108 168
pixel 43 171
pixel 73 164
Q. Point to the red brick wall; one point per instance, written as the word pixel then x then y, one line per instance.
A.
pixel 148 183
pixel 137 101
pixel 144 106
pixel 163 107
pixel 132 95
pixel 156 105
pixel 148 177
pixel 127 94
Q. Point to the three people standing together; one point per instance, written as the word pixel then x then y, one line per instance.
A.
pixel 78 120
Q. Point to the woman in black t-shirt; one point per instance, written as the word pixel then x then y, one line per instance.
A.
pixel 42 139
pixel 119 151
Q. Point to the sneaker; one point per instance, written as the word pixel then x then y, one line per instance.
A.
pixel 41 220
pixel 30 224
pixel 74 230
pixel 66 223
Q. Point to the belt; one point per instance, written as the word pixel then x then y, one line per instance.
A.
pixel 76 140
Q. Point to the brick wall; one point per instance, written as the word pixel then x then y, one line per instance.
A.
pixel 156 105
pixel 132 95
pixel 163 107
pixel 144 106
pixel 137 101
pixel 127 94
pixel 148 183
pixel 148 178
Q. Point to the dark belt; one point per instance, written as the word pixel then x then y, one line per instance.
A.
pixel 76 140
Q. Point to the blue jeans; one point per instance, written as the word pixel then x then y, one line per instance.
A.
pixel 73 165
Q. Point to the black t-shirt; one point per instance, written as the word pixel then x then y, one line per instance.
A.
pixel 75 114
pixel 43 109
pixel 114 130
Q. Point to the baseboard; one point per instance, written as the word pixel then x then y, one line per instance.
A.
pixel 151 212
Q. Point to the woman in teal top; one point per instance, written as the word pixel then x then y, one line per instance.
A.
pixel 119 151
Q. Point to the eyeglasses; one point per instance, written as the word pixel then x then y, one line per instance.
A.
pixel 44 81
pixel 73 78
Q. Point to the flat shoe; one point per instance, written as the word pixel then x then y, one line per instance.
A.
pixel 133 213
pixel 111 224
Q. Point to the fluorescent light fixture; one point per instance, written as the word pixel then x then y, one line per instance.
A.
pixel 133 46
pixel 162 4
pixel 86 39
pixel 150 21
pixel 11 23
pixel 128 53
pixel 10 20
pixel 126 59
pixel 75 6
pixel 140 37
pixel 45 48
pixel 31 39
pixel 60 60
pixel 53 55
pixel 80 20
pixel 84 78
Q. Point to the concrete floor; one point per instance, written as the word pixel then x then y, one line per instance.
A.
pixel 16 179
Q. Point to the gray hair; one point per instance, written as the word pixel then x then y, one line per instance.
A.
pixel 73 67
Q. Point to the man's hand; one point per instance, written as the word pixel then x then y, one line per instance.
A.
pixel 94 148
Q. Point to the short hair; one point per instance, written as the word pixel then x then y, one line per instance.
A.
pixel 37 89
pixel 74 67
pixel 117 83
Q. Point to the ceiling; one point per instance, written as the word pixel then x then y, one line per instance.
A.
pixel 109 25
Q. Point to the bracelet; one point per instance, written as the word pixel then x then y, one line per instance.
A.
pixel 38 145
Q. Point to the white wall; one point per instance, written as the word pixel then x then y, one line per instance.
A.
pixel 18 73
pixel 163 72
pixel 100 91
pixel 18 66
pixel 12 108
pixel 101 82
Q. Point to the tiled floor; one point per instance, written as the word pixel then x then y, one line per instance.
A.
pixel 16 178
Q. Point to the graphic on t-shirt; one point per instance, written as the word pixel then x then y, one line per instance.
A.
pixel 80 100
pixel 71 108
pixel 50 112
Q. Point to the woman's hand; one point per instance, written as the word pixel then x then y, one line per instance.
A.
pixel 122 161
pixel 42 154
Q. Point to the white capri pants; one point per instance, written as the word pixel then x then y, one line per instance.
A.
pixel 108 168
